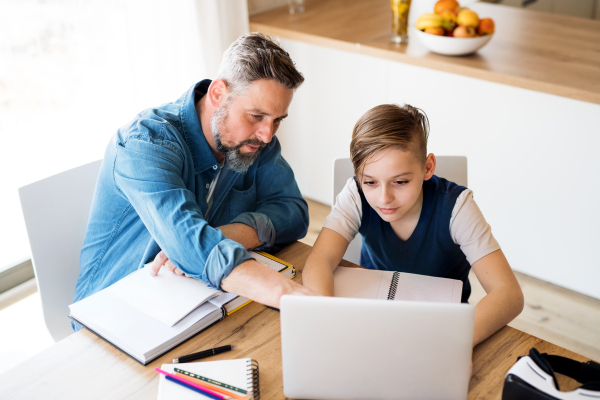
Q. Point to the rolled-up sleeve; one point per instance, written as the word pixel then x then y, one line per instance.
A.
pixel 281 214
pixel 263 226
pixel 148 171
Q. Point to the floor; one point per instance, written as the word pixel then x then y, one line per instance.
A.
pixel 555 314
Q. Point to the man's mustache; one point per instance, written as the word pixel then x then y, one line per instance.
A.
pixel 251 142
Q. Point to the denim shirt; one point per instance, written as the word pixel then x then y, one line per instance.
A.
pixel 151 195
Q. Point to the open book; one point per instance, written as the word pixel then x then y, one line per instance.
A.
pixel 389 285
pixel 146 316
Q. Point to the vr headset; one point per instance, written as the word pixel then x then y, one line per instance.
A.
pixel 532 378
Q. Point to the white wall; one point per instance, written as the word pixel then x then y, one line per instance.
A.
pixel 532 156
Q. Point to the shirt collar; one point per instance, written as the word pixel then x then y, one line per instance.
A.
pixel 202 155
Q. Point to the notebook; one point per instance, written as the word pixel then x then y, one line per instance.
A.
pixel 242 373
pixel 363 283
pixel 147 316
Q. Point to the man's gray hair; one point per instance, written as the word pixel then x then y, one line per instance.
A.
pixel 257 56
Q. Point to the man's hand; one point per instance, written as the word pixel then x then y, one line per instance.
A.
pixel 162 259
pixel 256 282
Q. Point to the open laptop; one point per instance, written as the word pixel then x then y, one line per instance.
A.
pixel 340 348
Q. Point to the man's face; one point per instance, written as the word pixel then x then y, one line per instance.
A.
pixel 244 125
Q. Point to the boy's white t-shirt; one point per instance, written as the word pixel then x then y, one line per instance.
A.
pixel 468 227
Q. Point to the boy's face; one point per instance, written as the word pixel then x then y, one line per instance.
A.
pixel 392 182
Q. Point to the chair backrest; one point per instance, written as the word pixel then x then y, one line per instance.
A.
pixel 453 168
pixel 56 211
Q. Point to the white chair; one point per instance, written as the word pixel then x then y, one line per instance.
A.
pixel 453 168
pixel 56 211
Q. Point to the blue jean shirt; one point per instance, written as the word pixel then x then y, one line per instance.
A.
pixel 151 195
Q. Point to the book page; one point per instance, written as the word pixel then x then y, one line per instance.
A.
pixel 266 261
pixel 136 333
pixel 168 297
pixel 428 288
pixel 231 372
pixel 360 283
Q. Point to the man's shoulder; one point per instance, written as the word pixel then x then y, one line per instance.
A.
pixel 158 123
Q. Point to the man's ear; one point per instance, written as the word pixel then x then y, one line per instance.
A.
pixel 217 93
pixel 430 163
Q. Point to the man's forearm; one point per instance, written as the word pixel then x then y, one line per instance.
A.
pixel 259 283
pixel 241 233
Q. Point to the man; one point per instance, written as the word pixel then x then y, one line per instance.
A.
pixel 197 182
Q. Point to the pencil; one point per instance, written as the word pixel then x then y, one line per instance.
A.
pixel 214 382
pixel 190 384
pixel 185 385
pixel 213 387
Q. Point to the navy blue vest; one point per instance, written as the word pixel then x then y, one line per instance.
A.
pixel 430 249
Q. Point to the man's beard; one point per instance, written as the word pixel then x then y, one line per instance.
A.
pixel 236 160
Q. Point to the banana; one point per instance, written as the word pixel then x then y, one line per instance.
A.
pixel 429 21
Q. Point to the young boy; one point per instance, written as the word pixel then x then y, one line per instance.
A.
pixel 411 220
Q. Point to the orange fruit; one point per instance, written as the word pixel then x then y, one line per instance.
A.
pixel 445 5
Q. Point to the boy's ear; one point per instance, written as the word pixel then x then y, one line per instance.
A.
pixel 217 93
pixel 430 163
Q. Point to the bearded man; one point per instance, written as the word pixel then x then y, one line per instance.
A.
pixel 195 183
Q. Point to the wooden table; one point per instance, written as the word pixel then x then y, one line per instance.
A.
pixel 548 53
pixel 85 366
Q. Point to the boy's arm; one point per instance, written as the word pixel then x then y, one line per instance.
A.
pixel 504 299
pixel 323 260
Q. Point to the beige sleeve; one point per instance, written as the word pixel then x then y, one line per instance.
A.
pixel 346 213
pixel 470 230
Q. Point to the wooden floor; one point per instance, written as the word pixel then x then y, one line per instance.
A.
pixel 560 316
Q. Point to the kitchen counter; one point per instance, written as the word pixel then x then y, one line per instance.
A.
pixel 548 53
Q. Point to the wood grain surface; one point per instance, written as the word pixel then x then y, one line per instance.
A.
pixel 549 53
pixel 84 366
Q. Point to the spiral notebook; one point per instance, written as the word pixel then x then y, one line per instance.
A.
pixel 363 283
pixel 241 373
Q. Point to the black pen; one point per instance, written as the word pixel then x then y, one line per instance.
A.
pixel 203 354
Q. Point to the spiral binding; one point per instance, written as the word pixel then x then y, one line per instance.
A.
pixel 252 379
pixel 393 286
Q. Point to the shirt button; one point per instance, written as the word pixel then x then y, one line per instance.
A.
pixel 215 167
pixel 207 185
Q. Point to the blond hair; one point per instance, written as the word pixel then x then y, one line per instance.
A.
pixel 389 126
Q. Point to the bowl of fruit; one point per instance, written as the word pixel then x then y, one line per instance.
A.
pixel 453 30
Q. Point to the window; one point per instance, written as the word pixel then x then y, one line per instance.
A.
pixel 71 73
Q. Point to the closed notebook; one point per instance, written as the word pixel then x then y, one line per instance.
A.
pixel 146 316
pixel 241 373
pixel 390 285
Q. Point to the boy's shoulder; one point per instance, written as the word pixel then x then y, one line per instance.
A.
pixel 442 185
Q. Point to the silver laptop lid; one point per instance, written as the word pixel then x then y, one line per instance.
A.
pixel 339 348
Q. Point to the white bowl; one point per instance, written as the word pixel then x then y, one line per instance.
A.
pixel 451 46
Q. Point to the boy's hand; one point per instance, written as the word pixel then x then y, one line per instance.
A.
pixel 162 260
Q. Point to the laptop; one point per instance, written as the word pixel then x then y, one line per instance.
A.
pixel 341 348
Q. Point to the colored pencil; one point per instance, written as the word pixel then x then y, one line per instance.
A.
pixel 214 382
pixel 190 384
pixel 213 387
pixel 185 385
